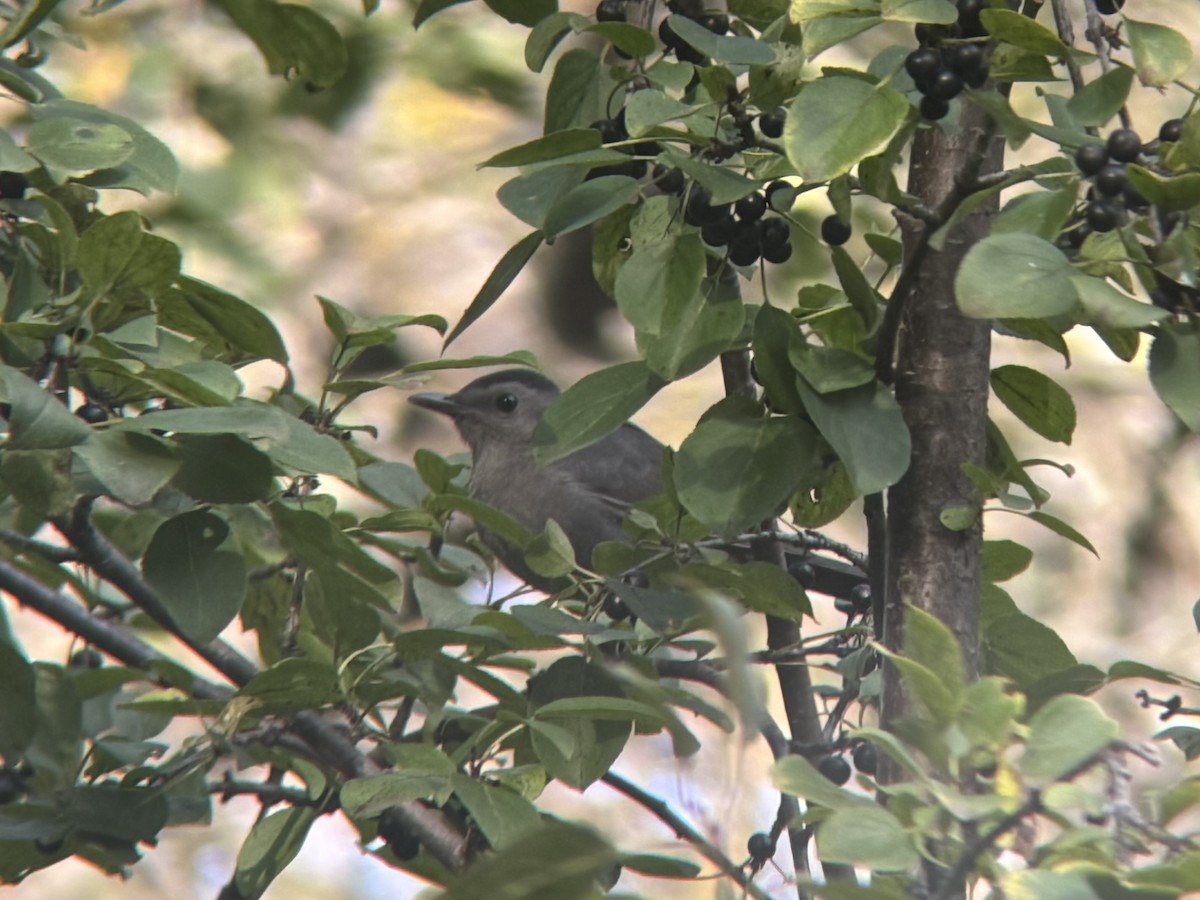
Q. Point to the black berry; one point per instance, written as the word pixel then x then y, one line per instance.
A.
pixel 780 196
pixel 611 130
pixel 92 413
pixel 804 573
pixel 860 596
pixel 392 828
pixel 746 246
pixel 86 658
pixel 969 22
pixel 1171 131
pixel 610 11
pixel 835 768
pixel 965 58
pixel 1108 7
pixel 701 212
pixel 1091 158
pixel 1111 180
pixel 1133 200
pixel 760 846
pixel 946 85
pixel 669 181
pixel 779 253
pixel 866 759
pixel 1103 215
pixel 934 108
pixel 719 233
pixel 923 64
pixel 13 185
pixel 11 786
pixel 751 207
pixel 1124 145
pixel 834 231
pixel 775 233
pixel 615 608
pixel 771 124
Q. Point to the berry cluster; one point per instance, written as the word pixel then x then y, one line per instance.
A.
pixel 612 131
pixel 950 58
pixel 743 227
pixel 1111 194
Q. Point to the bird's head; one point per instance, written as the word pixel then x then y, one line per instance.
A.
pixel 501 409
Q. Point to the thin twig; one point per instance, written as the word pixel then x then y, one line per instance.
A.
pixel 683 830
pixel 52 552
pixel 105 636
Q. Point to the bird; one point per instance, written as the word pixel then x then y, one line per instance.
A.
pixel 588 493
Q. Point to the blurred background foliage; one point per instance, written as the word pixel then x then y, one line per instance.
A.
pixel 368 193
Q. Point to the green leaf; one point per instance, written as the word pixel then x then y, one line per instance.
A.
pixel 937 12
pixel 273 842
pixel 795 775
pixel 829 369
pixel 1160 54
pixel 737 469
pixel 132 467
pixel 1004 559
pixel 1172 193
pixel 1103 98
pixel 528 872
pixel 1019 647
pixel 862 296
pixel 150 167
pixel 25 20
pixel 648 108
pixel 500 813
pixel 523 12
pixel 597 742
pixel 76 145
pixel 1063 734
pixel 589 202
pixel 552 146
pixel 931 665
pixel 368 797
pixel 116 255
pixel 822 142
pixel 631 40
pixel 18 712
pixel 695 332
pixel 38 421
pixel 221 320
pixel 733 49
pixel 723 184
pixel 1015 276
pixel 769 589
pixel 578 91
pixel 497 283
pixel 870 837
pixel 1105 306
pixel 657 276
pixel 1036 400
pixel 593 407
pixel 550 553
pixel 547 35
pixel 1175 370
pixel 866 430
pixel 223 468
pixel 1021 31
pixel 201 585
pixel 1059 527
pixel 1042 213
pixel 293 39
pixel 821 34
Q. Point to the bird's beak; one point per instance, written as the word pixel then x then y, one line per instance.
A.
pixel 446 404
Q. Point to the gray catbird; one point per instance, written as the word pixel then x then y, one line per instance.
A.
pixel 588 493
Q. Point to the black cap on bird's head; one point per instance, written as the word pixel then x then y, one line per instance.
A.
pixel 503 406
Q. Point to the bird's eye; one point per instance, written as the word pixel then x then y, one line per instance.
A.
pixel 506 403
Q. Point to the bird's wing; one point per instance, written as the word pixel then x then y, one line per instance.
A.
pixel 622 469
